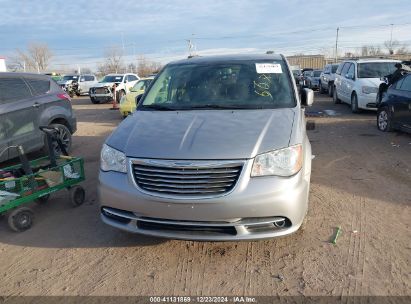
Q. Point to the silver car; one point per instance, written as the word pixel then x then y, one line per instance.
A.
pixel 217 150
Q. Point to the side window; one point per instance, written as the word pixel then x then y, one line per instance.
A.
pixel 351 70
pixel 399 83
pixel 39 86
pixel 13 89
pixel 89 78
pixel 339 68
pixel 406 84
pixel 345 68
pixel 132 78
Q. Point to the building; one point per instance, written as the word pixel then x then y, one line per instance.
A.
pixel 3 64
pixel 308 61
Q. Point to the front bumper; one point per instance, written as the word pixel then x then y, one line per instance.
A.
pixel 250 211
pixel 107 96
pixel 126 108
pixel 367 101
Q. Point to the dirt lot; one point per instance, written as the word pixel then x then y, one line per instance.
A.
pixel 361 181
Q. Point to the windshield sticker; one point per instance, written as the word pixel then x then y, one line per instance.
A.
pixel 268 68
pixel 118 78
pixel 262 86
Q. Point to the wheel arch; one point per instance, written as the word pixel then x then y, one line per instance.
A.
pixel 62 121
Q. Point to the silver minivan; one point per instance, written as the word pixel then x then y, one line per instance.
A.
pixel 217 150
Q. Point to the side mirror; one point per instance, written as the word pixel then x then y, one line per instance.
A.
pixel 307 97
pixel 138 98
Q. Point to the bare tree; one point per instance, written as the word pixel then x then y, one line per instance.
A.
pixel 113 62
pixel 370 50
pixel 395 47
pixel 146 67
pixel 36 58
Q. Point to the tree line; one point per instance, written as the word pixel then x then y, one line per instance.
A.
pixel 38 57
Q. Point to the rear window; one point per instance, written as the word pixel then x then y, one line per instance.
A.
pixel 375 69
pixel 39 86
pixel 317 73
pixel 13 89
pixel 240 84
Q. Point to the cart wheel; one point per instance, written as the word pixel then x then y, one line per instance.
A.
pixel 20 219
pixel 77 195
pixel 42 200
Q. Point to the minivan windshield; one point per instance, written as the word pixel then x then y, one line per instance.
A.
pixel 112 78
pixel 244 84
pixel 375 69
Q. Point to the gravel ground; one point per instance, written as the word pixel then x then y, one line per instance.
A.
pixel 361 181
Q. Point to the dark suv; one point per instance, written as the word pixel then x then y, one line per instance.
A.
pixel 28 101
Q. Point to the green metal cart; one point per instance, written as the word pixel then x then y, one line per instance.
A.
pixel 63 172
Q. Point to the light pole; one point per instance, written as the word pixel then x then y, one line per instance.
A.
pixel 336 46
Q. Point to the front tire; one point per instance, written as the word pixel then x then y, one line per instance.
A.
pixel 384 120
pixel 94 101
pixel 330 90
pixel 354 103
pixel 335 97
pixel 321 89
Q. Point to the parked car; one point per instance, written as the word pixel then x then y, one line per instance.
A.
pixel 83 83
pixel 327 79
pixel 104 90
pixel 296 70
pixel 217 150
pixel 128 102
pixel 356 82
pixel 394 111
pixel 304 76
pixel 312 80
pixel 28 101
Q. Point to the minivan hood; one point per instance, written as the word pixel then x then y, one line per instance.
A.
pixel 370 82
pixel 203 134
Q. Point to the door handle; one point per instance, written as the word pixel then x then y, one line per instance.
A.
pixel 36 105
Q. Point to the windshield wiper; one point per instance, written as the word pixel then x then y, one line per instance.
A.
pixel 216 106
pixel 158 107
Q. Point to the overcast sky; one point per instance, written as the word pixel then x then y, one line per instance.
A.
pixel 79 32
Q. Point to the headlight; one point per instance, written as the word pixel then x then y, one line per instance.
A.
pixel 369 90
pixel 112 160
pixel 122 99
pixel 284 162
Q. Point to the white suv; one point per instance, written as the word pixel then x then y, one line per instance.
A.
pixel 104 90
pixel 357 81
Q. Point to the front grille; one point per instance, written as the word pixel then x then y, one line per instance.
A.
pixel 198 180
pixel 101 91
pixel 215 230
